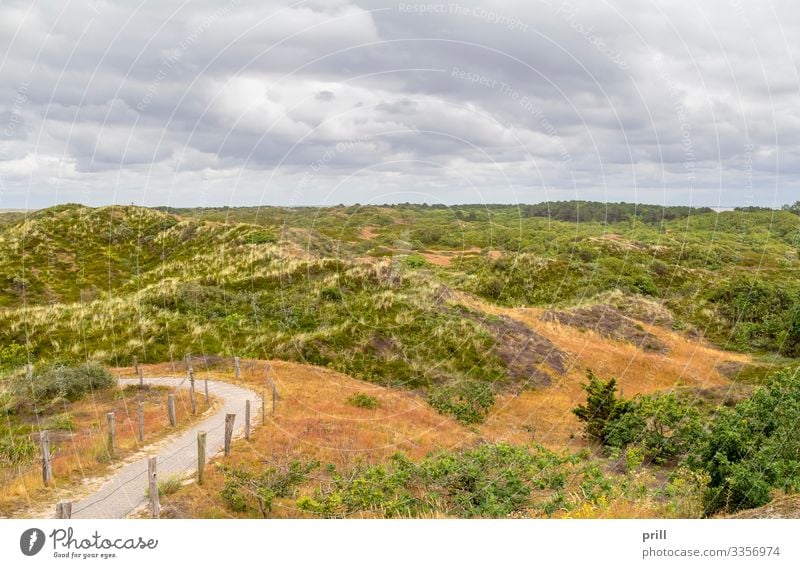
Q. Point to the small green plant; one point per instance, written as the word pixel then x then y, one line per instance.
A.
pixel 362 400
pixel 260 237
pixel 415 261
pixel 63 421
pixel 468 400
pixel 16 450
pixel 167 486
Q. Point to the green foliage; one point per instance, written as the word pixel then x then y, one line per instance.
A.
pixel 167 486
pixel 61 382
pixel 488 481
pixel 62 421
pixel 415 261
pixel 362 400
pixel 753 449
pixel 603 409
pixel 16 449
pixel 661 427
pixel 260 237
pixel 761 313
pixel 246 491
pixel 468 400
pixel 12 356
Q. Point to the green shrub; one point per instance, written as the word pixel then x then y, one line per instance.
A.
pixel 362 400
pixel 467 400
pixel 62 382
pixel 16 450
pixel 245 491
pixel 330 295
pixel 63 421
pixel 753 448
pixel 260 237
pixel 603 409
pixel 12 356
pixel 415 261
pixel 488 481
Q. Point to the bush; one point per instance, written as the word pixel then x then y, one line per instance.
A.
pixel 467 401
pixel 362 400
pixel 247 491
pixel 16 450
pixel 753 449
pixel 415 261
pixel 661 426
pixel 488 481
pixel 61 382
pixel 603 410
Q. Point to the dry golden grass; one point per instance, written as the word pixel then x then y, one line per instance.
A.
pixel 546 415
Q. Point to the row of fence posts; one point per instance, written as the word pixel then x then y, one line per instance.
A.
pixel 64 508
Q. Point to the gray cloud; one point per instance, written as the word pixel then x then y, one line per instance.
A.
pixel 346 100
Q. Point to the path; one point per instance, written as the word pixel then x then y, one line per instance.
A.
pixel 124 490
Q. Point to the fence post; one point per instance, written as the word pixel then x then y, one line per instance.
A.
pixel 141 378
pixel 64 510
pixel 201 457
pixel 191 376
pixel 112 433
pixel 140 416
pixel 192 399
pixel 206 386
pixel 247 419
pixel 237 368
pixel 47 466
pixel 229 418
pixel 135 364
pixel 173 420
pixel 152 475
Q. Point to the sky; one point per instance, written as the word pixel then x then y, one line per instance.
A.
pixel 321 102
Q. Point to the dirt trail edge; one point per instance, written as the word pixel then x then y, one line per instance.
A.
pixel 124 490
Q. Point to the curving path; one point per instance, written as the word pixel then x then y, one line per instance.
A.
pixel 124 490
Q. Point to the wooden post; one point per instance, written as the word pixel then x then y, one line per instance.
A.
pixel 247 419
pixel 47 466
pixel 191 377
pixel 64 510
pixel 263 407
pixel 141 379
pixel 229 418
pixel 207 399
pixel 201 457
pixel 152 475
pixel 173 420
pixel 237 368
pixel 112 433
pixel 188 361
pixel 192 400
pixel 136 364
pixel 140 416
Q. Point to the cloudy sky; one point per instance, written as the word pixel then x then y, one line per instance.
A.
pixel 315 102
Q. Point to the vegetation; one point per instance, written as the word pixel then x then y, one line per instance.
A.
pixel 415 297
pixel 362 400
